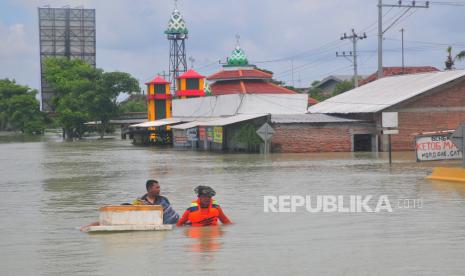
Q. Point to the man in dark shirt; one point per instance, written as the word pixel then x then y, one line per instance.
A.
pixel 153 197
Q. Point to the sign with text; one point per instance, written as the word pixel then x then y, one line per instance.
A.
pixel 436 147
pixel 202 133
pixel 209 134
pixel 192 134
pixel 218 135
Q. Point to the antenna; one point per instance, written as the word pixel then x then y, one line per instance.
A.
pixel 238 40
pixel 192 60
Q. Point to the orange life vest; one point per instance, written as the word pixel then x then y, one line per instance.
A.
pixel 203 216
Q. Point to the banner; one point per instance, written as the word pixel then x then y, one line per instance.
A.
pixel 436 147
pixel 192 134
pixel 202 133
pixel 210 134
pixel 218 135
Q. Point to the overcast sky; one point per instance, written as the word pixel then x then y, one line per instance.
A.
pixel 304 33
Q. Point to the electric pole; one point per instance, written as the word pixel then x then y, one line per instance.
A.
pixel 355 38
pixel 380 26
pixel 403 62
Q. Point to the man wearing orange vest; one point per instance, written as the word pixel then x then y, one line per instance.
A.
pixel 204 211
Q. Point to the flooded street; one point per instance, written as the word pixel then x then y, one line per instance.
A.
pixel 49 188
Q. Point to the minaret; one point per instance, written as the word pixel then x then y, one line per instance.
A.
pixel 177 35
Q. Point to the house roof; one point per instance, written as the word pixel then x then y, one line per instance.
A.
pixel 394 71
pixel 239 74
pixel 248 87
pixel 191 74
pixel 384 93
pixel 312 101
pixel 219 121
pixel 157 80
pixel 308 118
pixel 337 78
pixel 233 119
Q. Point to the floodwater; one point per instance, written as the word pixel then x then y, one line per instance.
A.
pixel 48 188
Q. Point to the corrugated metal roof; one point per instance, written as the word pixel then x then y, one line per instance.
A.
pixel 194 123
pixel 309 118
pixel 233 119
pixel 157 123
pixel 381 94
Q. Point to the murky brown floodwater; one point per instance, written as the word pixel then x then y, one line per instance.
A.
pixel 48 188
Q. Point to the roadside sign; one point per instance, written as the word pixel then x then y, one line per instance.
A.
pixel 265 132
pixel 390 131
pixel 436 147
pixel 389 120
pixel 458 138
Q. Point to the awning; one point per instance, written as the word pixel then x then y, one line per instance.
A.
pixel 158 123
pixel 219 121
pixel 233 119
pixel 194 123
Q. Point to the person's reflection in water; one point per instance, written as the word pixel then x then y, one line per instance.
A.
pixel 204 239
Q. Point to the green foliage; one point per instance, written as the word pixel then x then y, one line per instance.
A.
pixel 19 109
pixel 247 135
pixel 135 103
pixel 343 87
pixel 84 93
pixel 317 94
pixel 450 61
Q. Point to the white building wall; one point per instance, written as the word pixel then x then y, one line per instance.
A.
pixel 227 105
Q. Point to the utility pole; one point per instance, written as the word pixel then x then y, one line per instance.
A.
pixel 403 61
pixel 292 72
pixel 380 26
pixel 355 38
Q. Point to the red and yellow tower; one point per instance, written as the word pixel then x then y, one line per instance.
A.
pixel 190 85
pixel 158 99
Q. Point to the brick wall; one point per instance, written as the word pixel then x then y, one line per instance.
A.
pixel 441 110
pixel 296 138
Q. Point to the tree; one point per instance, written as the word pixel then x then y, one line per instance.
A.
pixel 19 108
pixel 342 87
pixel 85 93
pixel 248 136
pixel 103 105
pixel 450 61
pixel 135 103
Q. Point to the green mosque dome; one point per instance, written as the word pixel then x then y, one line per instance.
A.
pixel 176 24
pixel 238 57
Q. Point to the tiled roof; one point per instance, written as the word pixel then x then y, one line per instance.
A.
pixel 248 87
pixel 240 74
pixel 393 71
pixel 191 74
pixel 157 80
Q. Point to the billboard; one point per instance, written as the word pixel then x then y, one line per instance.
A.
pixel 436 147
pixel 65 32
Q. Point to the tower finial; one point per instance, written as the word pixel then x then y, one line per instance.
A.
pixel 238 40
pixel 192 60
pixel 175 4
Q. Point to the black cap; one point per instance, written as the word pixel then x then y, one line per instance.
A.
pixel 205 190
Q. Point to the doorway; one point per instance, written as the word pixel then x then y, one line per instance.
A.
pixel 363 142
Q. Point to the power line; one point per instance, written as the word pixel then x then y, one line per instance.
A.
pixel 414 4
pixel 354 37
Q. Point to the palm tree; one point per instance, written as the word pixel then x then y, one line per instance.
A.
pixel 451 61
